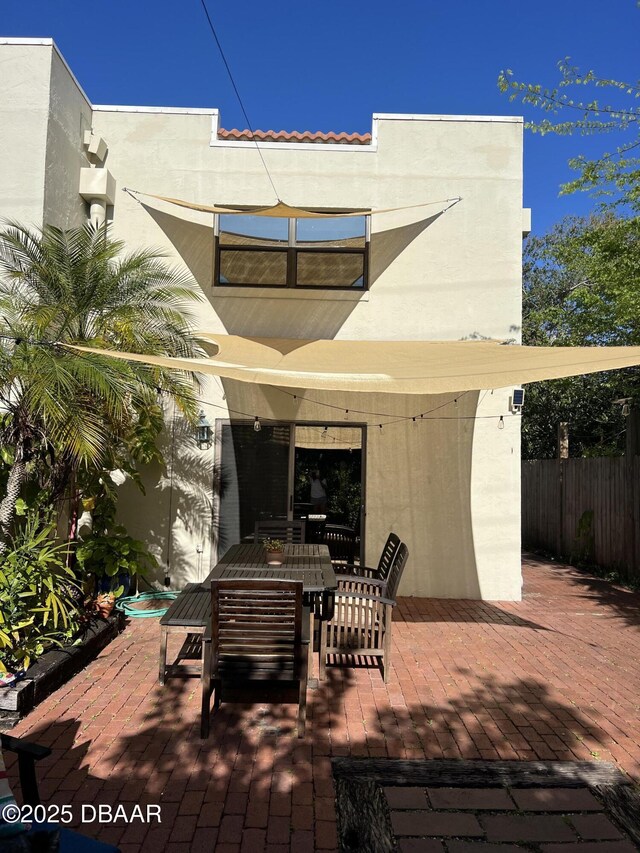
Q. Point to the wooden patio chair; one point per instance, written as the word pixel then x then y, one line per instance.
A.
pixel 69 840
pixel 258 633
pixel 341 541
pixel 361 622
pixel 381 572
pixel 290 531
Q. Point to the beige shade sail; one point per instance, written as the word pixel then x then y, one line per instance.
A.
pixel 282 210
pixel 394 367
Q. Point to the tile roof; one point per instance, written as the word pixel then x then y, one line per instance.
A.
pixel 296 136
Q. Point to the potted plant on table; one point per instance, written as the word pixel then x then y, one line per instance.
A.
pixel 274 551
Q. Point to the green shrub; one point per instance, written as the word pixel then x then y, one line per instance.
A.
pixel 111 554
pixel 37 605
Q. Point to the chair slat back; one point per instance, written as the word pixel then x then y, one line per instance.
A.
pixel 290 531
pixel 388 553
pixel 341 542
pixel 397 568
pixel 256 625
pixel 356 624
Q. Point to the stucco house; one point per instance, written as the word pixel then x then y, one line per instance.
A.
pixel 449 482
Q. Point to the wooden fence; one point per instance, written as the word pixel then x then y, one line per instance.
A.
pixel 584 509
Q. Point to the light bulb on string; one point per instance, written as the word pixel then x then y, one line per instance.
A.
pixel 257 426
pixel 501 422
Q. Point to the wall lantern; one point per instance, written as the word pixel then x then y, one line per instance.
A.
pixel 203 432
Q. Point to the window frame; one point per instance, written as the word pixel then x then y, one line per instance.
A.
pixel 292 249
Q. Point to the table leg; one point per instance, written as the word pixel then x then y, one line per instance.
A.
pixel 205 678
pixel 311 630
pixel 163 654
pixel 322 668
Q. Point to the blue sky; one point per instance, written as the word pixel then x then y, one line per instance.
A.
pixel 329 65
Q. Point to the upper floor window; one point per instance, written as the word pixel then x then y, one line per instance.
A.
pixel 262 251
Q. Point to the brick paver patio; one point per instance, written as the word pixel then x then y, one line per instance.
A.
pixel 556 676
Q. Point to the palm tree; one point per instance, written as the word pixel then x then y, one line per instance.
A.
pixel 76 286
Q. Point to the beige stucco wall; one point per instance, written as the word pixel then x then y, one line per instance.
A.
pixel 69 117
pixel 43 113
pixel 25 75
pixel 450 488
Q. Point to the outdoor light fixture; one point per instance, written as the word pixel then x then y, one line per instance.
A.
pixel 626 408
pixel 517 400
pixel 203 432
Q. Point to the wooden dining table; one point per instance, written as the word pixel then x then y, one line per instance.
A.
pixel 190 613
pixel 310 564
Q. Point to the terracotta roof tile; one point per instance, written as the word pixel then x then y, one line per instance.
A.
pixel 296 136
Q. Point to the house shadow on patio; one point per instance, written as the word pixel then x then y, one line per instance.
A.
pixel 464 610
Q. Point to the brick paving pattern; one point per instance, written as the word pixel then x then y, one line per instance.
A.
pixel 556 676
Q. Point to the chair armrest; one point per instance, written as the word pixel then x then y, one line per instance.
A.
pixel 28 754
pixel 361 596
pixel 341 578
pixel 356 570
pixel 35 751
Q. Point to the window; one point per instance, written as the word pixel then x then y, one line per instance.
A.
pixel 262 251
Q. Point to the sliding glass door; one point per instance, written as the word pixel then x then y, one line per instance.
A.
pixel 289 471
pixel 253 478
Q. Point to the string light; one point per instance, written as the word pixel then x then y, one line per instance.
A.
pixel 257 426
pixel 501 422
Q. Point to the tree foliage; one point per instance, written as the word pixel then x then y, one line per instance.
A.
pixel 582 287
pixel 67 414
pixel 613 176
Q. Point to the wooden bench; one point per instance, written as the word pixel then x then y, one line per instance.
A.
pixel 189 614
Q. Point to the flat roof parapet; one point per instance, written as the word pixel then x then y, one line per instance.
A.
pixel 295 136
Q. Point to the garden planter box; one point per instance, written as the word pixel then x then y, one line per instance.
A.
pixel 57 666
